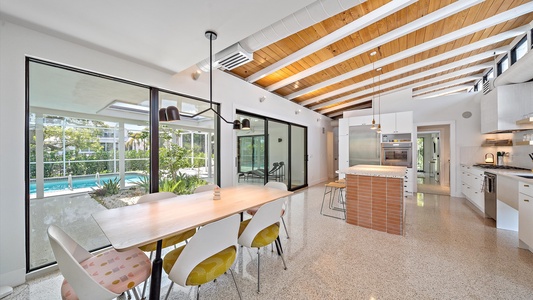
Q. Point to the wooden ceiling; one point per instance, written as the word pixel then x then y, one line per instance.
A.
pixel 331 101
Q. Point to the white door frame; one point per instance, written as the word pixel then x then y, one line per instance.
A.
pixel 453 153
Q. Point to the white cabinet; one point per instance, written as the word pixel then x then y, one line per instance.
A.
pixel 409 181
pixel 501 107
pixel 525 215
pixel 401 122
pixel 472 186
pixel 362 120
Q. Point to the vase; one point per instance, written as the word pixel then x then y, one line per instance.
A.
pixel 500 160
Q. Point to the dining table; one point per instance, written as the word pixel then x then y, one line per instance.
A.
pixel 140 224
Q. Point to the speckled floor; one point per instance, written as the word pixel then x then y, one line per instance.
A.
pixel 448 252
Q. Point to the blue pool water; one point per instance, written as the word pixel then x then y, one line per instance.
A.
pixel 83 182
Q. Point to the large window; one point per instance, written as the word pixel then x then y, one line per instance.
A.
pixel 519 50
pixel 89 149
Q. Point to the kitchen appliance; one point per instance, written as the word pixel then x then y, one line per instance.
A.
pixel 489 188
pixel 491 166
pixel 396 154
pixel 363 146
pixel 489 158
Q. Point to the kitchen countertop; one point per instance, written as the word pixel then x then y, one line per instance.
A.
pixel 508 173
pixel 375 170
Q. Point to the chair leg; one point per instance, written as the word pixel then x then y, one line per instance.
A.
pixel 198 293
pixel 285 226
pixel 278 242
pixel 129 294
pixel 258 270
pixel 169 289
pixel 234 281
pixel 135 293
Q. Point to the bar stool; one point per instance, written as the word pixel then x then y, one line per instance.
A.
pixel 332 188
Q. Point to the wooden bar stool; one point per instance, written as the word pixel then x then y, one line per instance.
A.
pixel 332 188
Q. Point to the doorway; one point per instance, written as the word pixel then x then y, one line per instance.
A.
pixel 433 159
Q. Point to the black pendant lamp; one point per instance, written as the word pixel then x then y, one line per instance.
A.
pixel 169 114
pixel 211 36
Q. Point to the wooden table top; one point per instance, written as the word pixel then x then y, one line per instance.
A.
pixel 136 225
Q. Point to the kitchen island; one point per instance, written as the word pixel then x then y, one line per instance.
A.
pixel 374 197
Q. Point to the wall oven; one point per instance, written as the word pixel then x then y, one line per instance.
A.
pixel 396 154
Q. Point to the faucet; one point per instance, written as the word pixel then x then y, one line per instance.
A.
pixel 489 158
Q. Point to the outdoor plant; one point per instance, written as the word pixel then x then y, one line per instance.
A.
pixel 110 187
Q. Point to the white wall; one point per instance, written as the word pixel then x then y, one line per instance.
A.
pixel 231 92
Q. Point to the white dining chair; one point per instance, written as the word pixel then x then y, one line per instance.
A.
pixel 261 230
pixel 103 276
pixel 205 188
pixel 280 186
pixel 209 254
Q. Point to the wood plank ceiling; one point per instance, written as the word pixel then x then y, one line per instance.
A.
pixel 331 101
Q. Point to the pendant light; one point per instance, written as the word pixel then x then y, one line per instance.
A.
pixel 171 111
pixel 379 99
pixel 372 54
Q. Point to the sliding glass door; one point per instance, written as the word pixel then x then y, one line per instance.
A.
pixel 272 150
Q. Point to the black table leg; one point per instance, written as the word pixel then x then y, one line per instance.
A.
pixel 157 267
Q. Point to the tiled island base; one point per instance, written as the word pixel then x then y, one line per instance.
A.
pixel 375 202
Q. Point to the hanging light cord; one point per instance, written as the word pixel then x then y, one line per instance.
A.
pixel 211 36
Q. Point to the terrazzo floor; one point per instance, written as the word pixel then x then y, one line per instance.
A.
pixel 449 251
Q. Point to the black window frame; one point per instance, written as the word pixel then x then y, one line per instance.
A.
pixel 486 76
pixel 499 65
pixel 513 51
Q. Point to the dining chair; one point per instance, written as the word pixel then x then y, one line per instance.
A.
pixel 261 230
pixel 167 242
pixel 103 276
pixel 209 254
pixel 205 188
pixel 280 186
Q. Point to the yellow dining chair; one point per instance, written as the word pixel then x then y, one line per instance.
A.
pixel 261 230
pixel 167 242
pixel 280 186
pixel 103 276
pixel 209 254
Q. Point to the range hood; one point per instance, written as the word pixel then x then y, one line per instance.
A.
pixel 504 105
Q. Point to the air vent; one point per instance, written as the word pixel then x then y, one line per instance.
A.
pixel 487 86
pixel 232 57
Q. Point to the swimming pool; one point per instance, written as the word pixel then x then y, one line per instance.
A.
pixel 80 182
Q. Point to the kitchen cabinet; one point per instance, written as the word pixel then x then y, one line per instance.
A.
pixel 472 186
pixel 401 122
pixel 501 107
pixel 362 120
pixel 409 181
pixel 525 215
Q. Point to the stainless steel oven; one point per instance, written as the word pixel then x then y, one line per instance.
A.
pixel 396 154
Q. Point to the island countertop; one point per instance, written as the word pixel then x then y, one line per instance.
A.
pixel 375 170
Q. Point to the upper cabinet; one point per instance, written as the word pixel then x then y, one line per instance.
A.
pixel 503 106
pixel 400 122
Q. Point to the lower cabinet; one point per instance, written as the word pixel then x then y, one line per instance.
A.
pixel 472 186
pixel 525 215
